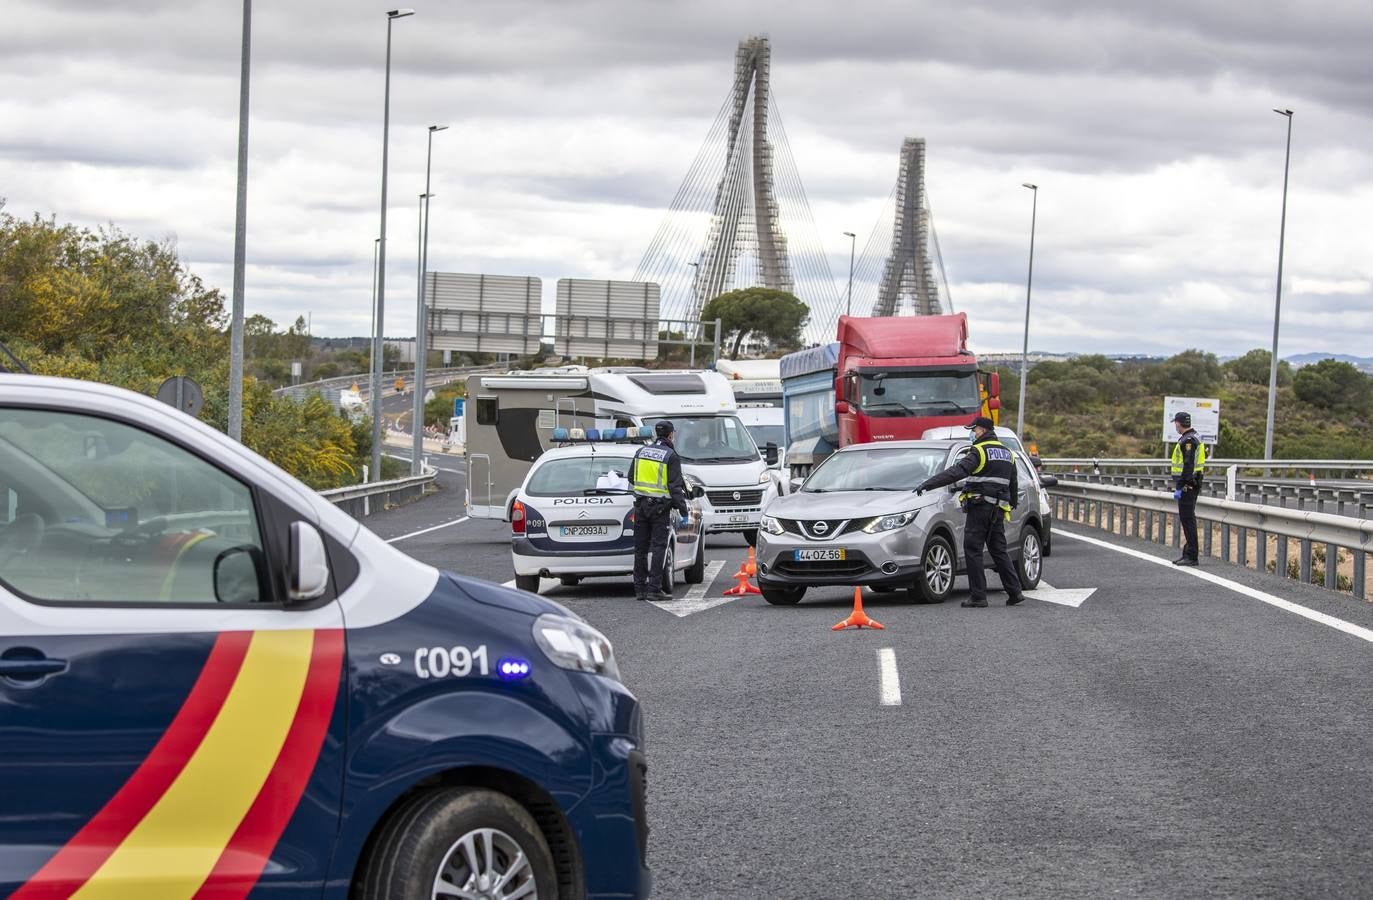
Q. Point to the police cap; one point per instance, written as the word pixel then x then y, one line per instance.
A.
pixel 663 428
pixel 981 422
pixel 1184 418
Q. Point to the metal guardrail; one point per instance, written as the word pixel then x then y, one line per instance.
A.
pixel 1242 530
pixel 1302 466
pixel 357 499
pixel 326 385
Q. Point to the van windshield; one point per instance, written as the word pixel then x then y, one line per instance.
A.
pixel 710 439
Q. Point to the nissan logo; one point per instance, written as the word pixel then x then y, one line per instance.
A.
pixel 820 527
pixel 737 496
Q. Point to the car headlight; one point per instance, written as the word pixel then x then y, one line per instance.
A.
pixel 766 477
pixel 770 525
pixel 891 522
pixel 570 644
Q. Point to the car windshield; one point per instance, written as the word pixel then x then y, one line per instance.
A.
pixel 710 439
pixel 577 475
pixel 766 434
pixel 878 469
pixel 920 394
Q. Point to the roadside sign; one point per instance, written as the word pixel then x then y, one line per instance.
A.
pixel 1205 417
pixel 183 393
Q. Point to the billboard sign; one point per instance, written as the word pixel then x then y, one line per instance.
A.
pixel 607 319
pixel 1205 417
pixel 484 313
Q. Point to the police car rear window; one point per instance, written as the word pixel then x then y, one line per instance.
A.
pixel 573 476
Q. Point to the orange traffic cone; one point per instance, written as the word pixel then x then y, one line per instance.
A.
pixel 751 567
pixel 858 618
pixel 746 568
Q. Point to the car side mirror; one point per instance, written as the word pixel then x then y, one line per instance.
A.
pixel 308 577
pixel 795 484
pixel 770 453
pixel 238 575
pixel 697 492
pixel 1048 480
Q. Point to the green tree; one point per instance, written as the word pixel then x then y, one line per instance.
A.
pixel 1191 373
pixel 1255 367
pixel 1333 385
pixel 775 315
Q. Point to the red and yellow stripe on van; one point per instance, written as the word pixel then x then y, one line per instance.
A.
pixel 202 813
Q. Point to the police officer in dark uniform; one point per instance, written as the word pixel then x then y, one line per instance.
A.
pixel 990 488
pixel 1189 459
pixel 656 474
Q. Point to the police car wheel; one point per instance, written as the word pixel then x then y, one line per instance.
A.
pixel 528 583
pixel 669 568
pixel 696 572
pixel 1030 563
pixel 460 842
pixel 938 566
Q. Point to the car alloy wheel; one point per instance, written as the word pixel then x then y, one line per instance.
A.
pixel 938 567
pixel 1031 559
pixel 487 864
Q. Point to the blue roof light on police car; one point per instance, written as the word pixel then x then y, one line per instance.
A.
pixel 645 431
pixel 593 434
pixel 513 669
pixel 559 434
pixel 619 434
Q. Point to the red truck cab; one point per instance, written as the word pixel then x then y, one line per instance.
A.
pixel 899 376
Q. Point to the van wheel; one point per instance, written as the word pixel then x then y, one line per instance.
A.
pixel 459 842
pixel 938 565
pixel 750 537
pixel 696 572
pixel 1029 565
pixel 783 596
pixel 528 583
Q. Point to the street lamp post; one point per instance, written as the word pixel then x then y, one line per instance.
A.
pixel 1277 301
pixel 371 359
pixel 378 361
pixel 1025 346
pixel 235 423
pixel 848 306
pixel 421 319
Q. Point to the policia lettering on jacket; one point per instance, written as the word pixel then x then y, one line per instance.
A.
pixel 1188 463
pixel 659 488
pixel 990 488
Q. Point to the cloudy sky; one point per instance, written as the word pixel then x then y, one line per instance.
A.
pixel 1147 126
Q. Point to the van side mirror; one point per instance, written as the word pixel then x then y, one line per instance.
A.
pixel 308 574
pixel 697 492
pixel 770 453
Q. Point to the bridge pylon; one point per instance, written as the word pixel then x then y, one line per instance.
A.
pixel 908 283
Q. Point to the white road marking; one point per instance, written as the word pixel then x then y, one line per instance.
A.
pixel 544 584
pixel 887 677
pixel 696 600
pixel 1073 597
pixel 427 530
pixel 1350 628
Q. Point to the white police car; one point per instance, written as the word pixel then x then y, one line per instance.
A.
pixel 573 516
pixel 214 683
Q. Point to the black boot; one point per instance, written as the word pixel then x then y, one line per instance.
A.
pixel 1018 598
pixel 970 603
pixel 1184 561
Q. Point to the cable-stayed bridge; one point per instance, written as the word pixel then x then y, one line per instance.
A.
pixel 741 218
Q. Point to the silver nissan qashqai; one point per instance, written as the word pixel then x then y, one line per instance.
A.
pixel 858 521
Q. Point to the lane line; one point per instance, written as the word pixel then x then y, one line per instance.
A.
pixel 695 599
pixel 427 530
pixel 1349 628
pixel 1073 597
pixel 888 680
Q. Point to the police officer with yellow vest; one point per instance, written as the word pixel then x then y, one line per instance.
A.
pixel 990 489
pixel 656 474
pixel 1188 463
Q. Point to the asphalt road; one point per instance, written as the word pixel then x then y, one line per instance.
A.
pixel 1169 737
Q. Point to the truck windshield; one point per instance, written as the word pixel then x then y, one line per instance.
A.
pixel 710 439
pixel 878 469
pixel 920 394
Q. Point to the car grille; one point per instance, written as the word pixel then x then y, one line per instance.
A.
pixel 833 527
pixel 835 568
pixel 742 497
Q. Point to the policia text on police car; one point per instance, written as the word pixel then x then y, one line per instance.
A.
pixel 659 488
pixel 990 489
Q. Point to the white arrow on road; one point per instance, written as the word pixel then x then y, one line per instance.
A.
pixel 696 600
pixel 1073 597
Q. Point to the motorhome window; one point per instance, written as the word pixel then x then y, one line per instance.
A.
pixel 487 408
pixel 575 475
pixel 886 469
pixel 920 394
pixel 670 384
pixel 711 439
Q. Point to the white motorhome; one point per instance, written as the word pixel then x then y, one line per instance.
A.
pixel 510 420
pixel 757 386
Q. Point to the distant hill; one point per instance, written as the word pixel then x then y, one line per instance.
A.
pixel 1364 363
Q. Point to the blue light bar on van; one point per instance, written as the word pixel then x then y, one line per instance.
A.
pixel 512 669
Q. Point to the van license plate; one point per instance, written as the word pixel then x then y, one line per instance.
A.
pixel 584 530
pixel 828 554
